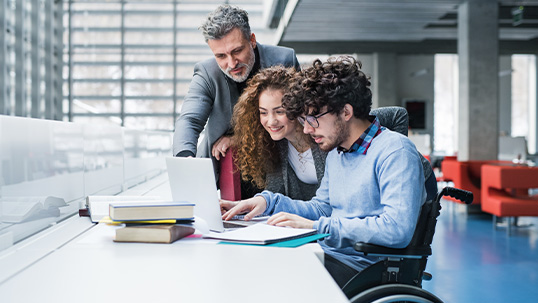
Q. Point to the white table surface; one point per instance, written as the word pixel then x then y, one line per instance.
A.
pixel 92 268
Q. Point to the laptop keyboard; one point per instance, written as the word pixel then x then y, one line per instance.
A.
pixel 242 217
pixel 232 225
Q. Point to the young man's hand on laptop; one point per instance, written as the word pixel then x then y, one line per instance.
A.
pixel 252 207
pixel 290 220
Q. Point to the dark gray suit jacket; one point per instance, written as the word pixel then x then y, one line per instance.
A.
pixel 211 98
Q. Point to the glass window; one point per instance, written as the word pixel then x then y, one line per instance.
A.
pixel 446 104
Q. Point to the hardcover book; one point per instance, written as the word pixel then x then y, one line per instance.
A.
pixel 138 211
pixel 98 206
pixel 153 233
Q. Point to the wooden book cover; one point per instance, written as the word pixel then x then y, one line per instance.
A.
pixel 160 233
pixel 142 211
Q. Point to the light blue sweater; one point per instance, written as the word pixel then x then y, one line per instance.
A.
pixel 374 198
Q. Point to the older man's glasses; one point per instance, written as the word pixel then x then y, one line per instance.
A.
pixel 312 120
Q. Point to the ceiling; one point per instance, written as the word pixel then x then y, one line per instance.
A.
pixel 401 26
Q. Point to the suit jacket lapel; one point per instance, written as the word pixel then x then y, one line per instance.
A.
pixel 263 59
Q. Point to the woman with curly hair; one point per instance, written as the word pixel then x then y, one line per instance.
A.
pixel 271 149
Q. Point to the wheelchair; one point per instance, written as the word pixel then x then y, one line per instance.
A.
pixel 398 276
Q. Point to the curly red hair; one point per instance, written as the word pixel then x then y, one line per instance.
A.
pixel 256 152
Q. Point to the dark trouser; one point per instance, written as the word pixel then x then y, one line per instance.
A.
pixel 340 272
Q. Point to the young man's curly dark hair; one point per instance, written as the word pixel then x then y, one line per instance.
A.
pixel 333 84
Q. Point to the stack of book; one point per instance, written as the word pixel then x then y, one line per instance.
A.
pixel 152 222
pixel 97 206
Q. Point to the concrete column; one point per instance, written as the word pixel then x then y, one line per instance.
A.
pixel 505 95
pixel 478 52
pixel 384 80
pixel 532 142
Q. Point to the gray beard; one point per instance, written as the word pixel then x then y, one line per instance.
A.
pixel 249 66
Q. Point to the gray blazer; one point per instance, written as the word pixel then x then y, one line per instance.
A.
pixel 211 98
pixel 283 179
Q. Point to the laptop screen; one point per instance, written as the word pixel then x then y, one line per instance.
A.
pixel 193 180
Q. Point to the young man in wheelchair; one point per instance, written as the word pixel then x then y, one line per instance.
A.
pixel 373 187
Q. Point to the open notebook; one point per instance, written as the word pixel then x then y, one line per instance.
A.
pixel 262 234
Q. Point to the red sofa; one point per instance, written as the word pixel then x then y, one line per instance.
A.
pixel 466 175
pixel 505 190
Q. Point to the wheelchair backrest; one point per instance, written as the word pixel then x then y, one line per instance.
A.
pixel 425 229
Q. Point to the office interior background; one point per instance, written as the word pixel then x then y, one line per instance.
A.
pixel 115 74
pixel 129 63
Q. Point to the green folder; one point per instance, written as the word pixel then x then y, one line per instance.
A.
pixel 290 243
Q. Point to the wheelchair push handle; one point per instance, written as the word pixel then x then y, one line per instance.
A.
pixel 456 193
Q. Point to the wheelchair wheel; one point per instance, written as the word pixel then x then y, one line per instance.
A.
pixel 395 293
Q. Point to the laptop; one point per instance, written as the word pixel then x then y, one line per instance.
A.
pixel 193 180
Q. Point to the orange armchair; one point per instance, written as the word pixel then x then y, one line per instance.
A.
pixel 505 190
pixel 466 175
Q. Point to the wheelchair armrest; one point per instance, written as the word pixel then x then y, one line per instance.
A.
pixel 379 250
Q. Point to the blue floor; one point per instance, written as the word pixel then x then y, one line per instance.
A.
pixel 473 262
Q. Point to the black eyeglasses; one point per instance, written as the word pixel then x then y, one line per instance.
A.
pixel 312 120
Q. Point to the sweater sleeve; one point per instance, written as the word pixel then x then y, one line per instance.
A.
pixel 274 182
pixel 311 210
pixel 317 207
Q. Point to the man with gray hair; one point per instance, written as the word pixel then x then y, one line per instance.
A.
pixel 218 82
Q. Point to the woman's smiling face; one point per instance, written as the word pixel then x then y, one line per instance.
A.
pixel 273 115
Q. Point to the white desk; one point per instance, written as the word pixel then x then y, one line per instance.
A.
pixel 91 267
